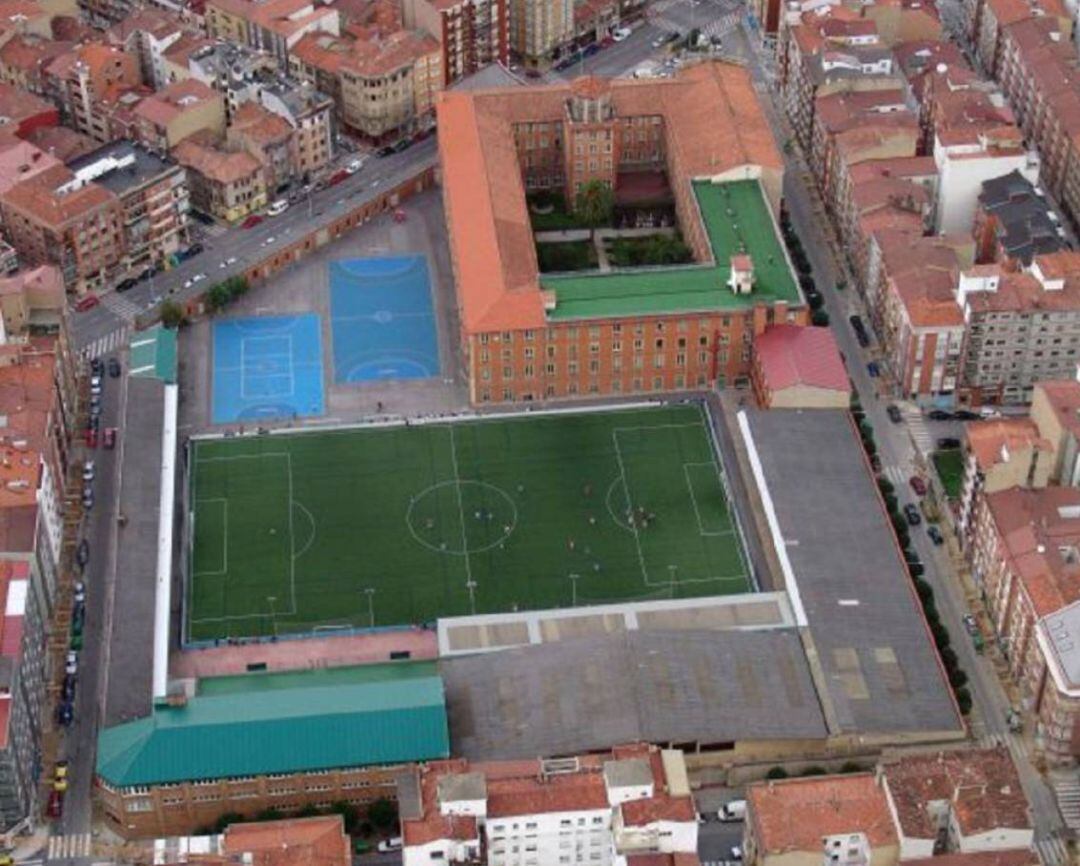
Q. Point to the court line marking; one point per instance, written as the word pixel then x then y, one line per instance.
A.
pixel 225 536
pixel 461 517
pixel 637 536
pixel 693 499
pixel 292 541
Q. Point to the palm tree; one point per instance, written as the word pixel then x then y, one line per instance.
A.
pixel 595 204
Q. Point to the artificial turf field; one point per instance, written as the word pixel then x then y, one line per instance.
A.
pixel 391 526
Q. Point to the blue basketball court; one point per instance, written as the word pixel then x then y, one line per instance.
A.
pixel 267 367
pixel 382 321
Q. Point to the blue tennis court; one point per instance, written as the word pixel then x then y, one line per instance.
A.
pixel 267 367
pixel 382 322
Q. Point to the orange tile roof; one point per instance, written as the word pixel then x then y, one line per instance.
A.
pixel 1031 529
pixel 63 143
pixel 981 785
pixel 1010 857
pixel 174 99
pixel 213 163
pixel 713 122
pixel 259 124
pixel 38 196
pixel 21 160
pixel 1063 396
pixel 1022 292
pixel 31 54
pixel 383 55
pixel 790 355
pixel 792 815
pixel 987 439
pixel 319 841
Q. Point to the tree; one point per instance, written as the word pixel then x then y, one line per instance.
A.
pixel 957 678
pixel 595 204
pixel 777 773
pixel 270 814
pixel 309 810
pixel 382 813
pixel 350 815
pixel 819 318
pixel 885 485
pixel 963 700
pixel 227 819
pixel 814 770
pixel 172 314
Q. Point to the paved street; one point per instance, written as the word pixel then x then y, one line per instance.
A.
pixel 106 326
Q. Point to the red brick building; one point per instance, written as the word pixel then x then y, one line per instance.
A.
pixel 527 336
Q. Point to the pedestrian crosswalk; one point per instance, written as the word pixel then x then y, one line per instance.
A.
pixel 1067 793
pixel 117 303
pixel 75 845
pixel 896 475
pixel 108 343
pixel 920 433
pixel 1052 850
pixel 719 25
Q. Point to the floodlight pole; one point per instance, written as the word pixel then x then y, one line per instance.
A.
pixel 370 593
pixel 573 588
pixel 672 569
pixel 272 599
pixel 471 586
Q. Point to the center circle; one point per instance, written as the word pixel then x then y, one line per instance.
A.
pixel 460 517
pixel 383 317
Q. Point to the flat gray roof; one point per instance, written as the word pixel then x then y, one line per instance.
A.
pixel 131 641
pixel 873 648
pixel 1061 630
pixel 584 694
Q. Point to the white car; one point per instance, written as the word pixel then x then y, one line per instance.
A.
pixel 391 844
pixel 80 592
pixel 278 207
pixel 71 665
pixel 88 471
pixel 198 278
pixel 354 166
pixel 620 33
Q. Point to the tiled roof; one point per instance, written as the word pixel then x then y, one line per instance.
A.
pixel 259 124
pixel 792 815
pixel 319 841
pixel 63 143
pixel 213 163
pixel 17 104
pixel 21 160
pixel 713 122
pixel 384 55
pixel 38 197
pixel 1010 857
pixel 173 100
pixel 31 54
pixel 988 440
pixel 790 355
pixel 1063 395
pixel 923 272
pixel 1035 535
pixel 981 786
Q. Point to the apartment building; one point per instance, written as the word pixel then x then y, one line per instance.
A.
pixel 153 194
pixel 177 112
pixel 310 114
pixel 529 336
pixel 850 128
pixel 273 26
pixel 244 755
pixel 149 33
pixel 472 33
pixel 999 454
pixel 956 804
pixel 388 85
pixel 24 60
pixel 25 112
pixel 268 138
pixel 54 218
pixel 230 68
pixel 1038 74
pixel 986 22
pixel 1055 410
pixel 539 28
pixel 78 79
pixel 1022 327
pixel 594 809
pixel 228 185
pixel 1014 222
pixel 319 841
pixel 921 325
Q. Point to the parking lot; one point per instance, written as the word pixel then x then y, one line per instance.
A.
pixel 304 288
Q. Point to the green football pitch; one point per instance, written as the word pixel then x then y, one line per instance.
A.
pixel 391 526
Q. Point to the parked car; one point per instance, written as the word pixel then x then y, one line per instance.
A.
pixel 88 498
pixel 733 810
pixel 966 415
pixel 918 485
pixel 88 302
pixel 71 663
pixel 114 368
pixel 916 569
pixel 65 713
pixel 78 620
pixel 91 437
pixel 947 443
pixel 935 534
pixel 55 807
pixel 620 33
pixel 911 512
pixel 894 413
pixel 939 415
pixel 354 166
pixel 736 853
pixel 384 151
pixel 80 592
pixel 403 145
pixel 67 690
pixel 337 177
pixel 124 285
pixel 95 384
pixel 873 369
pixel 970 624
pixel 278 207
pixel 110 437
pixel 391 844
pixel 96 366
pixel 194 249
pixel 252 221
pixel 82 553
pixel 88 470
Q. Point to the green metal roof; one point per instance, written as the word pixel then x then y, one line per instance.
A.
pixel 153 353
pixel 282 723
pixel 640 291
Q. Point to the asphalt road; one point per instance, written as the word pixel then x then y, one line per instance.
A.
pixel 227 251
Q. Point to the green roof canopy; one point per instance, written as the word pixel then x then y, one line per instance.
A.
pixel 284 723
pixel 734 213
pixel 153 353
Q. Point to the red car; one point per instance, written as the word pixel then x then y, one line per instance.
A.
pixel 87 303
pixel 56 804
pixel 252 221
pixel 337 177
pixel 918 485
pixel 91 437
pixel 110 437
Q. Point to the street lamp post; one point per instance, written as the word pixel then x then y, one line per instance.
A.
pixel 273 613
pixel 370 593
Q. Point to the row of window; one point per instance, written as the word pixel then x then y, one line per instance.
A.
pixel 528 371
pixel 573 332
pixel 508 395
